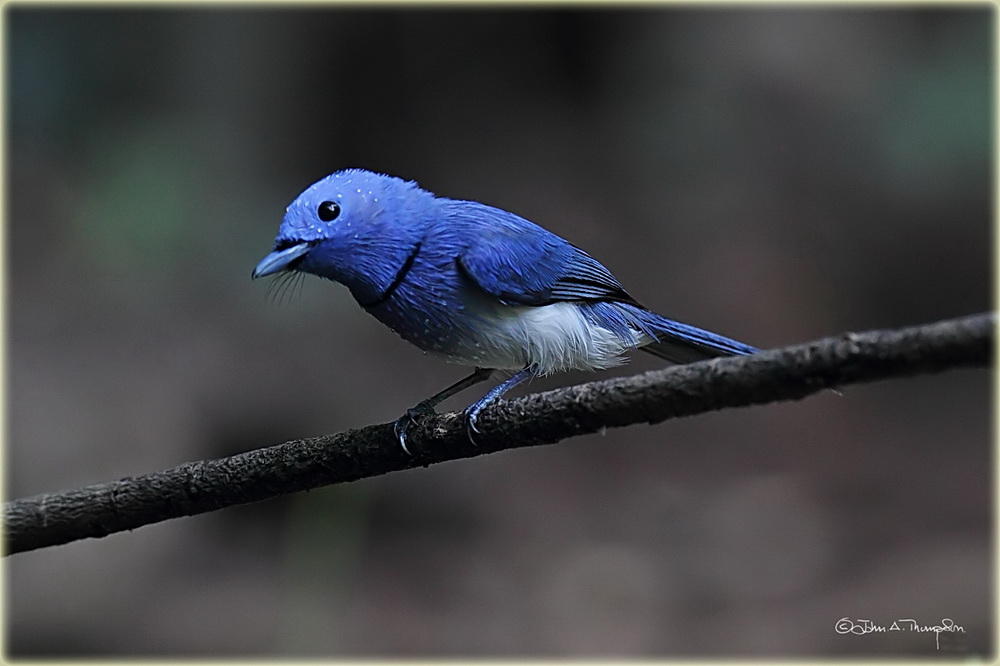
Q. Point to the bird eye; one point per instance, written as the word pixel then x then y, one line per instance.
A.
pixel 328 211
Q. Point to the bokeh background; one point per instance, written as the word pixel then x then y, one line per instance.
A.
pixel 777 175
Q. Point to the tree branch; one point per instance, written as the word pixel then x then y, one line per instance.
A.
pixel 790 373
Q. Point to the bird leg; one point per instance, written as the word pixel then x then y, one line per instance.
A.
pixel 426 407
pixel 472 411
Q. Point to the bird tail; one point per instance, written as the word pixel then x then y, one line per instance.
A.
pixel 681 343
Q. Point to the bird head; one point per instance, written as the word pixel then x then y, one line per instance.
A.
pixel 354 226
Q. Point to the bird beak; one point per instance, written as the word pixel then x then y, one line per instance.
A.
pixel 279 260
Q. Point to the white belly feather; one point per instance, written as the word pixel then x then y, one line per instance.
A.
pixel 554 338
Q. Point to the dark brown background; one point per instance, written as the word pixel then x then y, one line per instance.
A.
pixel 773 175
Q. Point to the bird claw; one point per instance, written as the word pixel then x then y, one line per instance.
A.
pixel 407 420
pixel 471 417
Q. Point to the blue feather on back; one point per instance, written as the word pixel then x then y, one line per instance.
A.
pixel 522 263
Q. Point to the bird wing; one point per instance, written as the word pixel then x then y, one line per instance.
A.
pixel 521 263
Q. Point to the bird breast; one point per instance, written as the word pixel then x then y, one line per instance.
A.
pixel 451 318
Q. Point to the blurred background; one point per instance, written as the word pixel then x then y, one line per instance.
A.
pixel 773 175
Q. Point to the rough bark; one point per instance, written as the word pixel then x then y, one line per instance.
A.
pixel 789 373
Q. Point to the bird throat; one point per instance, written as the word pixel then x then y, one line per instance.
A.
pixel 396 281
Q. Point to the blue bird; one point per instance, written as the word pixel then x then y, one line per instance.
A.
pixel 476 285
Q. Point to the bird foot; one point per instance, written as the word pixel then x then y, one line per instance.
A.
pixel 471 418
pixel 403 424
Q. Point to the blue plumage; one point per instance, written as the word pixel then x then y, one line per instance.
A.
pixel 472 283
